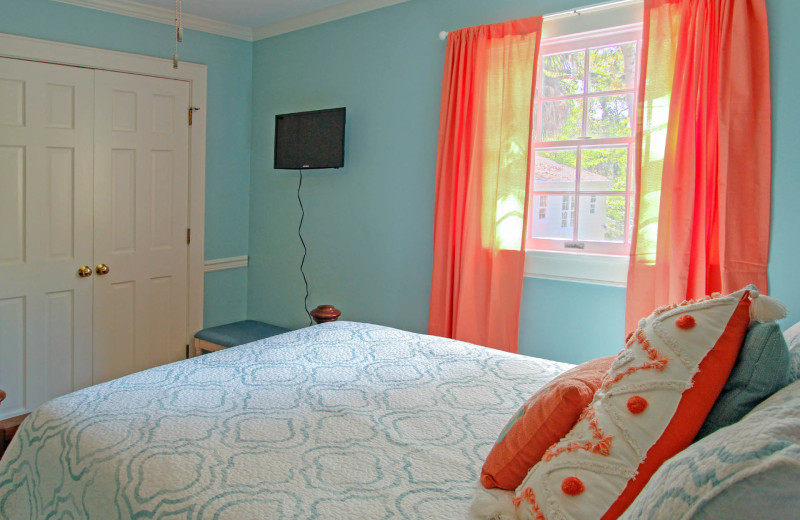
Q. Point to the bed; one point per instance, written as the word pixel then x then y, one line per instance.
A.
pixel 340 420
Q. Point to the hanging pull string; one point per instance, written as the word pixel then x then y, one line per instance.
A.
pixel 305 250
pixel 178 30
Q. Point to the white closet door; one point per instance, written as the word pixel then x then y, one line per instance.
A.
pixel 141 217
pixel 46 131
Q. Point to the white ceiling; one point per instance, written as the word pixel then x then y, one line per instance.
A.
pixel 249 13
pixel 243 19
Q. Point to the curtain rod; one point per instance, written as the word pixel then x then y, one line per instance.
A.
pixel 574 12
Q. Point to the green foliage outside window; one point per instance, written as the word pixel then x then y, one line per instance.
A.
pixel 611 69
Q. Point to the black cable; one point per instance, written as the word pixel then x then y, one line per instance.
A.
pixel 305 250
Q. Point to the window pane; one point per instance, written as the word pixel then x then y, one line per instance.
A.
pixel 561 120
pixel 555 170
pixel 540 206
pixel 563 74
pixel 610 116
pixel 560 217
pixel 604 169
pixel 612 68
pixel 607 223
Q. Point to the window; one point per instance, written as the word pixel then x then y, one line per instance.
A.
pixel 568 211
pixel 582 147
pixel 542 207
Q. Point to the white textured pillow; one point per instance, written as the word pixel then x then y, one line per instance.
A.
pixel 655 397
pixel 719 476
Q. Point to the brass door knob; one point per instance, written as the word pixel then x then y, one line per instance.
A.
pixel 84 271
pixel 101 269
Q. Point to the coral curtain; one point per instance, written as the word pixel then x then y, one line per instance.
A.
pixel 481 182
pixel 704 147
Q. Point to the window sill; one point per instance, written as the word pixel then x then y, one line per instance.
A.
pixel 577 267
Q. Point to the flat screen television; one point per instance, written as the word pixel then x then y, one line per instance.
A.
pixel 310 140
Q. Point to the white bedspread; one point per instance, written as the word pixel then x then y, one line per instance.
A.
pixel 343 420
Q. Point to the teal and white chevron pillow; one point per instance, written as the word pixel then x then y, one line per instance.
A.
pixel 792 336
pixel 747 470
pixel 794 367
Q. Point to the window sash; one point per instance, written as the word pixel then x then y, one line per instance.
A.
pixel 575 43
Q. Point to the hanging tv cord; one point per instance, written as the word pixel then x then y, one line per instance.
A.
pixel 305 250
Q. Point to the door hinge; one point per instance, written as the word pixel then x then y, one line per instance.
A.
pixel 188 235
pixel 187 351
pixel 191 113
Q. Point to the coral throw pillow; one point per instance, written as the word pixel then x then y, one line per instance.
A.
pixel 656 396
pixel 544 419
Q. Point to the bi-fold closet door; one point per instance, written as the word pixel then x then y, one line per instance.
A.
pixel 93 216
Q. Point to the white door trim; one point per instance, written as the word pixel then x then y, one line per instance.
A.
pixel 12 46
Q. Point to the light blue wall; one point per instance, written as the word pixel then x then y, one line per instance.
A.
pixel 369 225
pixel 229 112
pixel 225 297
pixel 570 321
pixel 784 265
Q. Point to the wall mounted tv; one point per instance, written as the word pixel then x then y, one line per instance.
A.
pixel 310 140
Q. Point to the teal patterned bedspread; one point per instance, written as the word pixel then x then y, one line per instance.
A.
pixel 342 420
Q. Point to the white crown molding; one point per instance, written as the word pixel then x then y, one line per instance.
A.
pixel 320 16
pixel 165 16
pixel 222 264
pixel 208 25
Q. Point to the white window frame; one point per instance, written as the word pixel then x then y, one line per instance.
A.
pixel 586 41
pixel 582 266
pixel 577 267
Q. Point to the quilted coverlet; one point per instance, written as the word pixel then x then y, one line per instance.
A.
pixel 341 420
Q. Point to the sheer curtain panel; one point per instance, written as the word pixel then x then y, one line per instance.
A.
pixel 704 147
pixel 481 182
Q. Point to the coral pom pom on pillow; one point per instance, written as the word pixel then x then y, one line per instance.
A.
pixel 544 419
pixel 651 405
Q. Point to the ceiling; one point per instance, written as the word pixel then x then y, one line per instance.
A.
pixel 243 19
pixel 248 13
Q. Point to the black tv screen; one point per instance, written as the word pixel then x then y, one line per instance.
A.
pixel 310 140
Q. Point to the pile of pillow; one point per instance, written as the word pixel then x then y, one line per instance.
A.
pixel 750 469
pixel 586 445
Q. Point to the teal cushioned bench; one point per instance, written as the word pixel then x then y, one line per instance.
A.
pixel 232 334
